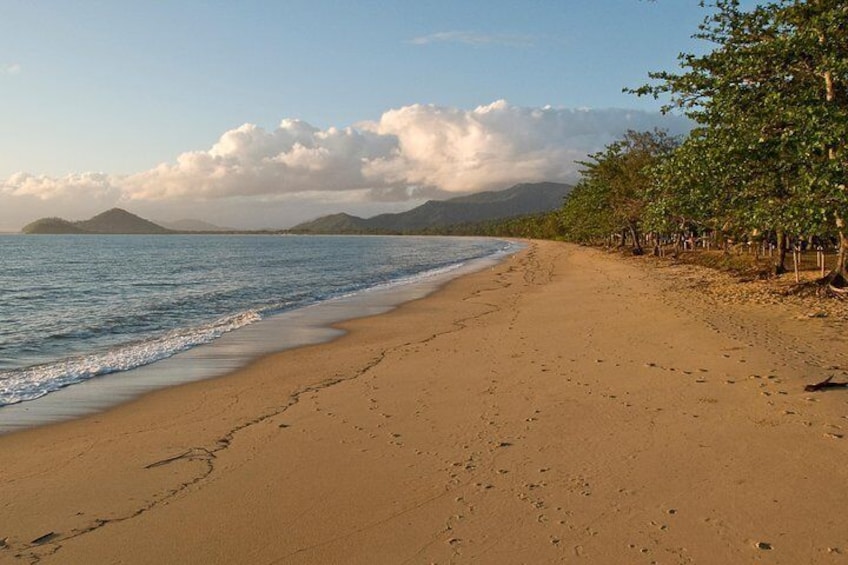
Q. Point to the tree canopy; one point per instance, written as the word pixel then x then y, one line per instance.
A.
pixel 768 153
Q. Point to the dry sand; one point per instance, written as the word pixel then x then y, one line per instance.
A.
pixel 564 406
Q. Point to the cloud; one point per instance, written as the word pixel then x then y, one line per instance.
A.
pixel 10 69
pixel 251 161
pixel 89 186
pixel 496 145
pixel 410 153
pixel 473 38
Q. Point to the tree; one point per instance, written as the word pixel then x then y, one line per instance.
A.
pixel 585 217
pixel 770 99
pixel 819 42
pixel 613 194
pixel 687 192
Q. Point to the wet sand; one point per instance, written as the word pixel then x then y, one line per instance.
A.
pixel 563 406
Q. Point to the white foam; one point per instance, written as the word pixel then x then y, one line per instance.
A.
pixel 33 382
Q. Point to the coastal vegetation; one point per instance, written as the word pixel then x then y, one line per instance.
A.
pixel 765 165
pixel 545 225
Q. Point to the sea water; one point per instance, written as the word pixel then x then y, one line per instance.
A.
pixel 79 307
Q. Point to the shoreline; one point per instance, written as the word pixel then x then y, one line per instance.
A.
pixel 305 325
pixel 563 405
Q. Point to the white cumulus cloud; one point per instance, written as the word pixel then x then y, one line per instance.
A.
pixel 410 153
pixel 496 145
pixel 90 186
pixel 408 150
pixel 10 68
pixel 250 161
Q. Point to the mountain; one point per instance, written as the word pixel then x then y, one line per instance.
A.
pixel 192 225
pixel 52 225
pixel 117 220
pixel 112 221
pixel 334 223
pixel 519 200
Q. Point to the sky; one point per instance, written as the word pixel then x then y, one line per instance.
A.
pixel 263 114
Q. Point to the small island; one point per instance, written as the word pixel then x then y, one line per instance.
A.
pixel 114 221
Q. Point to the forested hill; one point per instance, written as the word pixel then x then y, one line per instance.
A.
pixel 115 221
pixel 519 200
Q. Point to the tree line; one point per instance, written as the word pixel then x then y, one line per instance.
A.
pixel 766 161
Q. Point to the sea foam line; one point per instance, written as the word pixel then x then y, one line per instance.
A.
pixel 21 385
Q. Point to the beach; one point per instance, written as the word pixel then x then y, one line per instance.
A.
pixel 565 405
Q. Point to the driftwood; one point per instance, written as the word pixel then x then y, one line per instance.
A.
pixel 827 383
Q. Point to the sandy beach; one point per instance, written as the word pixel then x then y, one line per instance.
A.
pixel 563 406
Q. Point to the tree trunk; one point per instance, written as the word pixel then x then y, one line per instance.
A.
pixel 837 277
pixel 840 271
pixel 678 243
pixel 637 243
pixel 780 259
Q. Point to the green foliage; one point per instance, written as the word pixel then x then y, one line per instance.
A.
pixel 614 195
pixel 534 226
pixel 771 101
pixel 683 191
pixel 584 217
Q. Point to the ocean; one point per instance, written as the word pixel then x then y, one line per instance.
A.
pixel 78 308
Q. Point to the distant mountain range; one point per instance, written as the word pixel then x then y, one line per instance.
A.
pixel 520 200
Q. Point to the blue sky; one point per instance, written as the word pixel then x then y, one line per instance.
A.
pixel 114 89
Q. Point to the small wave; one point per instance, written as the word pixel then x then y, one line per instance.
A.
pixel 507 248
pixel 33 382
pixel 160 284
pixel 418 277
